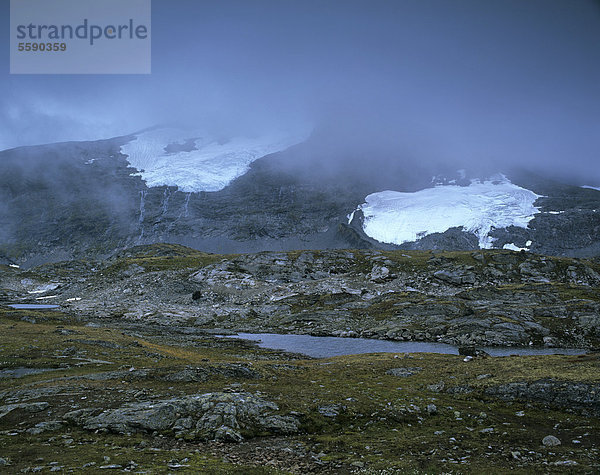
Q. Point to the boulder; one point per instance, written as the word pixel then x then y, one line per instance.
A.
pixel 403 372
pixel 379 273
pixel 455 276
pixel 211 416
pixel 550 441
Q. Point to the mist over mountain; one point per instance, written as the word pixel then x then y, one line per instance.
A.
pixel 75 199
pixel 464 81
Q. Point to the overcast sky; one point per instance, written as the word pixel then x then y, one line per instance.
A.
pixel 510 81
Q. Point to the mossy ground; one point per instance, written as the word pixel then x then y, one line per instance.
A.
pixel 382 422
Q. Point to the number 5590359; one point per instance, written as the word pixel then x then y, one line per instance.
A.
pixel 42 47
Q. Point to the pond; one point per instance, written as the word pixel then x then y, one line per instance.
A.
pixel 32 306
pixel 327 346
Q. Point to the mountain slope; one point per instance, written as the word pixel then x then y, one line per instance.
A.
pixel 66 200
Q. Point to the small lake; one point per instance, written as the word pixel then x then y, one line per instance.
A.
pixel 32 306
pixel 327 346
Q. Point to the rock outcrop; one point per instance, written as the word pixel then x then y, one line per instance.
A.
pixel 212 416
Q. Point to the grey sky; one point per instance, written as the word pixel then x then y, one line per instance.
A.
pixel 508 81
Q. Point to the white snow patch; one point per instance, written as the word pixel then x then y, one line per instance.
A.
pixel 44 288
pixel 597 188
pixel 48 297
pixel 351 216
pixel 210 167
pixel 514 247
pixel 396 217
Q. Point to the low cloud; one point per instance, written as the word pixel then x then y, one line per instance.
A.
pixel 494 84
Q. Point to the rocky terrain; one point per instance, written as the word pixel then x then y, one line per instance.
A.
pixel 483 298
pixel 128 373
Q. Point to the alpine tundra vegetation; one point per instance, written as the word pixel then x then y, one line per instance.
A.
pixel 135 369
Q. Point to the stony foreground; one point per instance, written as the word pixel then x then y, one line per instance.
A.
pixel 131 378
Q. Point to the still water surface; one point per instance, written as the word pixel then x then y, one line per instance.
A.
pixel 327 346
pixel 32 306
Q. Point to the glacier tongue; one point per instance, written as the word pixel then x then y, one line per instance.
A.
pixel 395 217
pixel 193 163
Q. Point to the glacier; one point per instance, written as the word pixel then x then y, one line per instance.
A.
pixel 193 162
pixel 397 217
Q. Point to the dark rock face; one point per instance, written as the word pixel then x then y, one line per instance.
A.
pixel 453 238
pixel 212 416
pixel 568 223
pixel 53 202
pixel 472 351
pixel 67 200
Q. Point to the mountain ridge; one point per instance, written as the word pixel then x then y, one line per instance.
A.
pixel 62 201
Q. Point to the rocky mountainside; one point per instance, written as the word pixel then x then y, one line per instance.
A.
pixel 64 201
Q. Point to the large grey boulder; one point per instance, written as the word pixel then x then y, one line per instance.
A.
pixel 403 372
pixel 27 407
pixel 457 276
pixel 379 274
pixel 551 441
pixel 210 416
